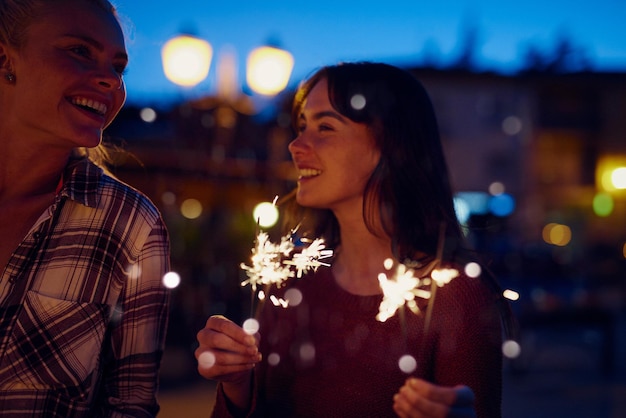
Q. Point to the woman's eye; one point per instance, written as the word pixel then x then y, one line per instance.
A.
pixel 121 69
pixel 325 127
pixel 81 50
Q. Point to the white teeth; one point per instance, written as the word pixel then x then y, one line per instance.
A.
pixel 309 172
pixel 98 107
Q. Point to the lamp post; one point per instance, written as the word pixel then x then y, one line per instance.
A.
pixel 187 60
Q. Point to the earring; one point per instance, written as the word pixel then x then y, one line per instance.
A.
pixel 10 77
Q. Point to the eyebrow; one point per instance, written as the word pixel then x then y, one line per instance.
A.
pixel 97 45
pixel 325 114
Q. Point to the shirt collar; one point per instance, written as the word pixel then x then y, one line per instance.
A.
pixel 81 182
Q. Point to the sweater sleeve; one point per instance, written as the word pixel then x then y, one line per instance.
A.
pixel 469 340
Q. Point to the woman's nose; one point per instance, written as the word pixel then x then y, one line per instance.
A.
pixel 111 79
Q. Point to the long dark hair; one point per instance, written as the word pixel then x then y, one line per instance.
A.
pixel 410 185
pixel 409 190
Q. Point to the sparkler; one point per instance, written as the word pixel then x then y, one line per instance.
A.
pixel 275 263
pixel 403 287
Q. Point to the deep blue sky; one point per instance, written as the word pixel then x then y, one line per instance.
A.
pixel 325 32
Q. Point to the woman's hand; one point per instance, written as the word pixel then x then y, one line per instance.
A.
pixel 226 352
pixel 421 399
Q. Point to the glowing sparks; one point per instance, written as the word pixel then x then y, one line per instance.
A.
pixel 274 264
pixel 267 265
pixel 309 258
pixel 403 287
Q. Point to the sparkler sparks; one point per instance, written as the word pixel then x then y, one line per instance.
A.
pixel 274 264
pixel 403 287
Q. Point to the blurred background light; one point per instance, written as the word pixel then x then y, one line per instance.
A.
pixel 266 214
pixel 502 204
pixel 603 204
pixel 191 208
pixel 186 60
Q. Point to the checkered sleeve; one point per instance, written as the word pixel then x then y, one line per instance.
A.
pixel 137 332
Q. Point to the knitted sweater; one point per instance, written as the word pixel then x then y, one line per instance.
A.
pixel 330 357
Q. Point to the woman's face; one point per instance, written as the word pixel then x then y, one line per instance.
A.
pixel 68 72
pixel 334 155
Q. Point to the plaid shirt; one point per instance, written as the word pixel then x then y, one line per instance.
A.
pixel 83 311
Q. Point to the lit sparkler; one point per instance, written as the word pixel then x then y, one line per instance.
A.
pixel 403 287
pixel 274 264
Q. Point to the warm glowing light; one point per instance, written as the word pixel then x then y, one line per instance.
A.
pixel 191 208
pixel 603 204
pixel 186 60
pixel 171 280
pixel 309 257
pixel 443 276
pixel 510 294
pixel 266 214
pixel 268 70
pixel 557 234
pixel 611 174
pixel 618 178
pixel 273 264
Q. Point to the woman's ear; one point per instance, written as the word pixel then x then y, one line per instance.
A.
pixel 6 69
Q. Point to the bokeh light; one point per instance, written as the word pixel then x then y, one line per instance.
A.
pixel 268 70
pixel 358 102
pixel 407 364
pixel 266 214
pixel 502 204
pixel 557 234
pixel 206 360
pixel 603 204
pixel 496 188
pixel 186 60
pixel 191 208
pixel 511 349
pixel 251 326
pixel 171 280
pixel 472 269
pixel 511 125
pixel 510 294
pixel 618 178
pixel 148 114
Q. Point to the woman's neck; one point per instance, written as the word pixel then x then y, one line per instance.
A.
pixel 359 260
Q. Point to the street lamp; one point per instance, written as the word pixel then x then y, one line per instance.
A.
pixel 187 59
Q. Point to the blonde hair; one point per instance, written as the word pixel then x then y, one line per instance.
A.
pixel 15 18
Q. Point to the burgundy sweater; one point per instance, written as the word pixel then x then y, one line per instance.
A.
pixel 330 357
